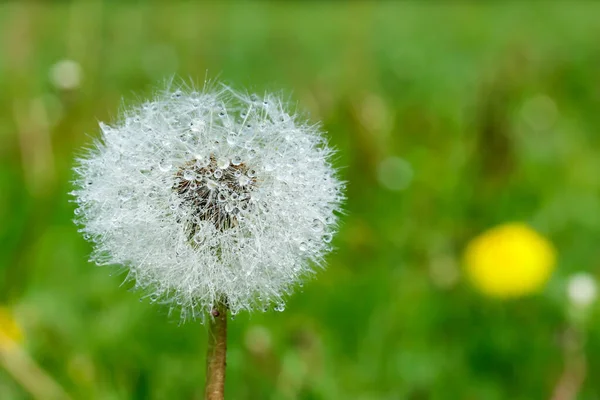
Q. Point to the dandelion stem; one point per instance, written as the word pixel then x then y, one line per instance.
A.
pixel 216 354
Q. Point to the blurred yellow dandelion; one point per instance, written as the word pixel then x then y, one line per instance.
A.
pixel 10 332
pixel 510 260
pixel 20 365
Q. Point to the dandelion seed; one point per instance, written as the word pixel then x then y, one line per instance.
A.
pixel 66 75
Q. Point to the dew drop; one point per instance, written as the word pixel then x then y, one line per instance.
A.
pixel 243 180
pixel 237 160
pixel 327 238
pixel 231 140
pixel 317 225
pixel 302 247
pixel 222 197
pixel 198 238
pixel 164 166
pixel 218 174
pixel 211 185
pixel 201 161
pixel 189 175
pixel 251 173
pixel 223 163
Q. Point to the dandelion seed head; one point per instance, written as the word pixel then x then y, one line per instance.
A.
pixel 582 289
pixel 210 195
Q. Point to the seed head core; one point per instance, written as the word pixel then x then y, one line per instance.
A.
pixel 217 191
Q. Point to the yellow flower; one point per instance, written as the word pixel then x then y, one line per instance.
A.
pixel 510 260
pixel 10 332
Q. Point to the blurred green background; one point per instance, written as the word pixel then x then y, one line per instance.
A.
pixel 449 119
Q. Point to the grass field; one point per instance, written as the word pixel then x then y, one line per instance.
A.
pixel 449 119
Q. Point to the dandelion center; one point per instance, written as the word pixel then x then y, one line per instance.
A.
pixel 216 191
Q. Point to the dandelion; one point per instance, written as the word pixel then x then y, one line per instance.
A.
pixel 510 260
pixel 215 202
pixel 582 290
pixel 20 365
pixel 66 75
pixel 10 331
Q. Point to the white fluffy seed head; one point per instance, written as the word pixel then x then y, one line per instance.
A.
pixel 582 289
pixel 209 196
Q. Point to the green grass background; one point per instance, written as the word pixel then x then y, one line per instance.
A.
pixel 495 110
